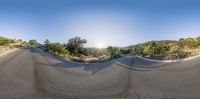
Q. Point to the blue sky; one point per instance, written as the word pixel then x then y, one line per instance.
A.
pixel 101 22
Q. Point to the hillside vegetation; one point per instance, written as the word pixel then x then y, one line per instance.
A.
pixel 74 50
pixel 5 41
pixel 163 50
pixel 169 49
pixel 6 44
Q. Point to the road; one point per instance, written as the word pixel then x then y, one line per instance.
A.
pixel 34 74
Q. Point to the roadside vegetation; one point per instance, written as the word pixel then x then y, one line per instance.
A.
pixel 5 41
pixel 163 50
pixel 169 50
pixel 31 43
pixel 7 44
pixel 115 52
pixel 74 50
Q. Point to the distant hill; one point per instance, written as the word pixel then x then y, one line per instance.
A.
pixel 96 51
pixel 146 43
pixel 169 49
pixel 3 37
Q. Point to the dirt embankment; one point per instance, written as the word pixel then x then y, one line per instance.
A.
pixel 4 49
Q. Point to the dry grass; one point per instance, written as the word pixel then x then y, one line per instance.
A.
pixel 89 59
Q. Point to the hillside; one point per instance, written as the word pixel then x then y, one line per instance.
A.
pixel 7 44
pixel 167 49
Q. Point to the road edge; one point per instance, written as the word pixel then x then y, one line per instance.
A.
pixel 9 51
pixel 169 61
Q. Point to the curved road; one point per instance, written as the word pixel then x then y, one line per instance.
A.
pixel 34 74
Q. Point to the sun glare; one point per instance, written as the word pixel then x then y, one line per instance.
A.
pixel 100 45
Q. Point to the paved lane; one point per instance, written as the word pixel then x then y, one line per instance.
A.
pixel 33 74
pixel 172 81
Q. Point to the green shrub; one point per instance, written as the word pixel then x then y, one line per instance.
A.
pixel 57 49
pixel 113 52
pixel 4 41
pixel 33 43
pixel 75 46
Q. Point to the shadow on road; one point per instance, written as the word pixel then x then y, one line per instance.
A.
pixel 129 62
pixel 62 63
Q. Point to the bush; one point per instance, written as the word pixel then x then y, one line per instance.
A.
pixel 57 49
pixel 168 49
pixel 113 52
pixel 188 43
pixel 33 43
pixel 125 51
pixel 4 41
pixel 75 46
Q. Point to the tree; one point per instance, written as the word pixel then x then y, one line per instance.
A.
pixel 139 50
pixel 113 52
pixel 59 48
pixel 125 51
pixel 33 42
pixel 46 42
pixel 188 43
pixel 156 49
pixel 150 49
pixel 181 39
pixel 75 45
pixel 47 45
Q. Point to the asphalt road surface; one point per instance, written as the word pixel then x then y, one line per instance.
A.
pixel 34 74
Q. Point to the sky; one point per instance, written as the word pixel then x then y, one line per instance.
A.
pixel 102 22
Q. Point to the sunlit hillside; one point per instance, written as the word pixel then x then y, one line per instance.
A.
pixel 184 47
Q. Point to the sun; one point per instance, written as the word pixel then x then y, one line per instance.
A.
pixel 100 45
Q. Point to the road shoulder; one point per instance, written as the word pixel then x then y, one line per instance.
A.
pixel 169 61
pixel 9 51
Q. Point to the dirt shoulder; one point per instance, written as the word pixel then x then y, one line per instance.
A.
pixel 6 50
